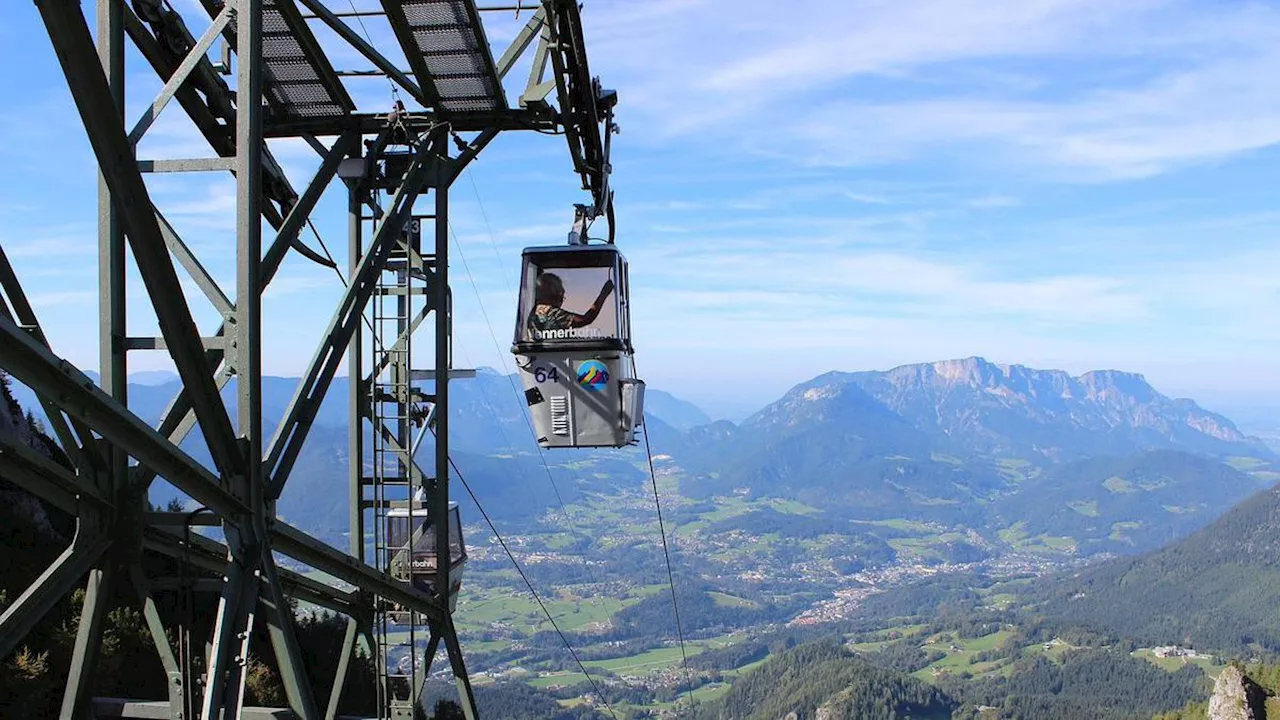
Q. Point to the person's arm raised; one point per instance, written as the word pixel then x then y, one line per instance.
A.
pixel 594 311
pixel 605 291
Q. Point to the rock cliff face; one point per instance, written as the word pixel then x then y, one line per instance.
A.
pixel 1236 697
pixel 942 440
pixel 1016 410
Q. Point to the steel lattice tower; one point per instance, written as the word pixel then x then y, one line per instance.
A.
pixel 387 162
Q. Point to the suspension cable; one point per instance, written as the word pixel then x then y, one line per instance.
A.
pixel 652 475
pixel 502 358
pixel 671 580
pixel 373 334
pixel 515 299
pixel 502 430
pixel 510 556
pixel 395 92
pixel 493 243
pixel 580 537
pixel 328 255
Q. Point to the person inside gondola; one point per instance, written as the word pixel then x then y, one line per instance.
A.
pixel 547 313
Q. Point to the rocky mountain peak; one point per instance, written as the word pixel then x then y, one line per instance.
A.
pixel 826 398
pixel 1110 383
pixel 1019 410
pixel 1236 697
pixel 972 370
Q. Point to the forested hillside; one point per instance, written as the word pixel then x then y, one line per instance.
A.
pixel 824 676
pixel 1102 684
pixel 823 680
pixel 1218 589
pixel 1125 505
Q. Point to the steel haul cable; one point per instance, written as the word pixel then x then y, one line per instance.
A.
pixel 671 580
pixel 510 556
pixel 395 92
pixel 581 537
pixel 648 451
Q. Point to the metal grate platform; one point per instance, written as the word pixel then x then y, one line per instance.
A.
pixel 297 77
pixel 298 80
pixel 445 44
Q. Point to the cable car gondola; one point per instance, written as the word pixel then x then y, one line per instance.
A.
pixel 573 347
pixel 411 545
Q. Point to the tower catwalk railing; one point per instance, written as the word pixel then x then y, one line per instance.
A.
pixel 214 593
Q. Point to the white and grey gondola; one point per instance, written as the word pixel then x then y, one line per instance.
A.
pixel 573 347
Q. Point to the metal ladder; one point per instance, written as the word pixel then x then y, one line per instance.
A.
pixel 395 480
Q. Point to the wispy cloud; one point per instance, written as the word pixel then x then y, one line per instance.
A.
pixel 1104 90
pixel 787 319
pixel 50 243
pixel 295 285
pixel 203 213
pixel 778 286
pixel 802 186
pixel 867 199
pixel 993 201
pixel 1103 136
pixel 836 41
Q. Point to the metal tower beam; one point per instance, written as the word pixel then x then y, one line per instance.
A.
pixel 93 97
pixel 284 87
pixel 56 581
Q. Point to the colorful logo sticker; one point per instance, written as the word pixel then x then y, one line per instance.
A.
pixel 593 375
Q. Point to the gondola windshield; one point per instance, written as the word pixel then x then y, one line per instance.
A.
pixel 569 297
pixel 414 555
pixel 416 534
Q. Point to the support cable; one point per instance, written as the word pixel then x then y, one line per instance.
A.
pixel 470 173
pixel 377 344
pixel 328 255
pixel 671 579
pixel 546 466
pixel 395 92
pixel 496 346
pixel 524 478
pixel 564 508
pixel 511 383
pixel 568 646
pixel 493 336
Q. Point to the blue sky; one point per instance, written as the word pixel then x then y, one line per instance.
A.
pixel 1074 184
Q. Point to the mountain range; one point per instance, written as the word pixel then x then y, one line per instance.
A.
pixel 850 474
pixel 1012 410
pixel 1100 462
pixel 976 407
pixel 970 406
